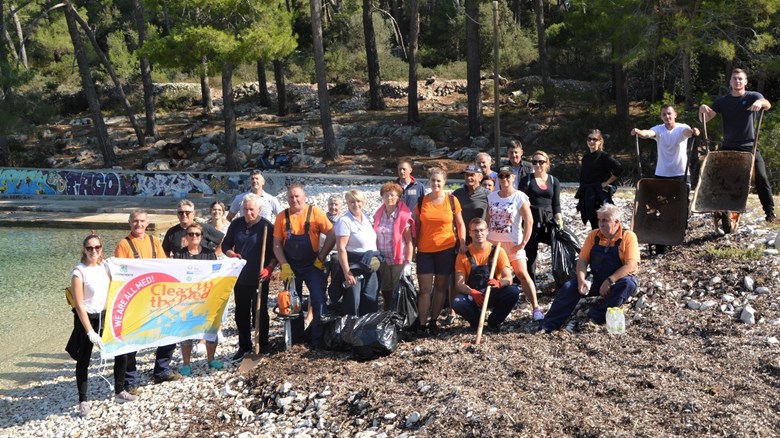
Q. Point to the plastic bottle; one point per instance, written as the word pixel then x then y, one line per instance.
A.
pixel 616 321
pixel 347 285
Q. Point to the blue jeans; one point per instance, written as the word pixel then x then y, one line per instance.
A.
pixel 501 303
pixel 568 297
pixel 162 360
pixel 361 299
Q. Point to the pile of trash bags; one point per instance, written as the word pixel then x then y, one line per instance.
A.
pixel 375 334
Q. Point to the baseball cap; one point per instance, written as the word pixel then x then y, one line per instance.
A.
pixel 506 170
pixel 473 168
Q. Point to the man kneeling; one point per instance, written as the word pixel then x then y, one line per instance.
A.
pixel 472 272
pixel 613 256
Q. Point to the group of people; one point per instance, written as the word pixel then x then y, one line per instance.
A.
pixel 491 225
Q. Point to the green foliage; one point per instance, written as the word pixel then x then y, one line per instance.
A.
pixel 517 46
pixel 177 99
pixel 732 253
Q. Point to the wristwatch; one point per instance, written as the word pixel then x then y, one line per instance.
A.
pixel 611 283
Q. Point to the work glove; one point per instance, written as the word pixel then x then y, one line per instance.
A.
pixel 494 283
pixel 95 339
pixel 287 272
pixel 477 297
pixel 318 264
pixel 375 263
pixel 265 274
pixel 407 271
pixel 559 224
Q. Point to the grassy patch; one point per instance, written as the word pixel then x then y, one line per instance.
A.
pixel 734 253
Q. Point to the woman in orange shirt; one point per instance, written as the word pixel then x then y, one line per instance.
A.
pixel 437 244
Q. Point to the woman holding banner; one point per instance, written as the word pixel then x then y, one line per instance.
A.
pixel 194 251
pixel 89 292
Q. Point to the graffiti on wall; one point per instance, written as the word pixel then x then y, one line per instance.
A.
pixel 116 183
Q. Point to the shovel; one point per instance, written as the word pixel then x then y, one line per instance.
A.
pixel 252 360
pixel 487 295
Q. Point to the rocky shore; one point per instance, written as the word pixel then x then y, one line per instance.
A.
pixel 700 357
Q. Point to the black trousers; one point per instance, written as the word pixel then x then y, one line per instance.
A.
pixel 85 354
pixel 246 303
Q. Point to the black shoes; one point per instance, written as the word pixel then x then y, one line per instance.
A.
pixel 170 377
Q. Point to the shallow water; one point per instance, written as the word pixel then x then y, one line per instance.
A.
pixel 35 320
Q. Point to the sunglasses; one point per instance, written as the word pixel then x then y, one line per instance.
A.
pixel 184 213
pixel 593 139
pixel 193 234
pixel 538 162
pixel 504 176
pixel 94 248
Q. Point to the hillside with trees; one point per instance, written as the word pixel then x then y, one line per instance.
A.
pixel 100 59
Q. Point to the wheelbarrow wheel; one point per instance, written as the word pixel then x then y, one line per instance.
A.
pixel 727 220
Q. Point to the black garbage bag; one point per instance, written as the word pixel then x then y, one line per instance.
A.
pixel 336 330
pixel 565 251
pixel 405 302
pixel 374 335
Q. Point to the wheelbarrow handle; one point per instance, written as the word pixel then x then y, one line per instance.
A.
pixel 758 130
pixel 638 156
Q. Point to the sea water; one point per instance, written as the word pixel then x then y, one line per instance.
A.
pixel 35 319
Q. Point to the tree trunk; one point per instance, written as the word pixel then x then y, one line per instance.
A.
pixel 5 65
pixel 146 71
pixel 229 113
pixel 262 82
pixel 101 133
pixel 328 137
pixel 205 90
pixel 544 69
pixel 413 113
pixel 20 36
pixel 687 76
pixel 375 99
pixel 473 69
pixel 398 13
pixel 281 88
pixel 112 73
pixel 621 92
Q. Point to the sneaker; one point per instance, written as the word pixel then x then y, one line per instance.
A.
pixel 433 329
pixel 170 377
pixel 538 315
pixel 186 370
pixel 239 355
pixel 133 390
pixel 124 396
pixel 83 409
pixel 571 327
pixel 215 365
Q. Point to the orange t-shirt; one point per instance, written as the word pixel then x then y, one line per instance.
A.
pixel 318 224
pixel 463 266
pixel 143 246
pixel 436 232
pixel 627 251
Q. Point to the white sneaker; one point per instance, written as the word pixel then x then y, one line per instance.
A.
pixel 124 396
pixel 199 350
pixel 83 409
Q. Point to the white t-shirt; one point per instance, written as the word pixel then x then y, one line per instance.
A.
pixel 96 282
pixel 362 236
pixel 269 206
pixel 672 148
pixel 505 221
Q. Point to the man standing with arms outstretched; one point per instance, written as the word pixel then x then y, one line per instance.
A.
pixel 672 140
pixel 738 110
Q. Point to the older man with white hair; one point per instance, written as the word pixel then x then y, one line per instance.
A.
pixel 612 254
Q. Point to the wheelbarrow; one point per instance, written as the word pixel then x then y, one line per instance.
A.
pixel 724 183
pixel 660 209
